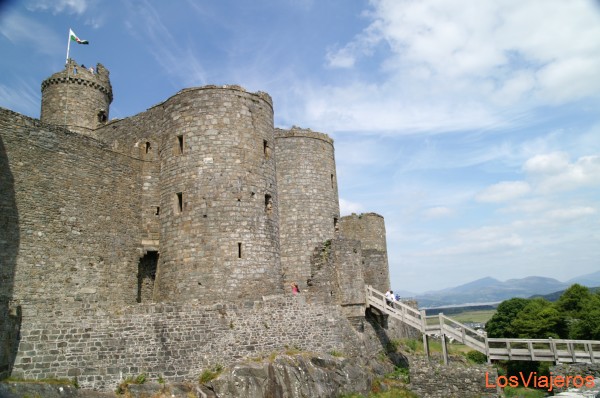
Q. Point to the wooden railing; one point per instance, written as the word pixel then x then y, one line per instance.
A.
pixel 398 310
pixel 553 350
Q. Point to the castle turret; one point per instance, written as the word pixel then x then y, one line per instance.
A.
pixel 77 98
pixel 219 216
pixel 369 229
pixel 308 198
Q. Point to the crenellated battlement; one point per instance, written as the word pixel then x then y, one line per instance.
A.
pixel 300 132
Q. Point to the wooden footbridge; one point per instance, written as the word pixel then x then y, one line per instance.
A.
pixel 446 328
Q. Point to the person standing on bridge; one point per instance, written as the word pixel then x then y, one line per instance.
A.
pixel 389 297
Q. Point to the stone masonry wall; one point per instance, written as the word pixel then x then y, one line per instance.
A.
pixel 139 137
pixel 76 100
pixel 369 228
pixel 308 198
pixel 175 342
pixel 218 193
pixel 74 237
pixel 431 379
pixel 9 249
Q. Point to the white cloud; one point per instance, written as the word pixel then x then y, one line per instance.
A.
pixel 481 240
pixel 438 212
pixel 23 97
pixel 571 213
pixel 347 207
pixel 59 6
pixel 504 191
pixel 551 163
pixel 448 66
pixel 176 59
pixel 585 172
pixel 21 30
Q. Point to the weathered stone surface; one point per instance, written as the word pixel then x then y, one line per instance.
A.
pixel 320 376
pixel 308 194
pixel 22 390
pixel 432 379
pixel 369 229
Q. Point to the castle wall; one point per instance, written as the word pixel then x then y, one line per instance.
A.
pixel 219 215
pixel 337 276
pixel 79 101
pixel 308 198
pixel 9 248
pixel 176 341
pixel 74 239
pixel 369 228
pixel 139 137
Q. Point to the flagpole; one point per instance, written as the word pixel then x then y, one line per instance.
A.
pixel 68 46
pixel 67 66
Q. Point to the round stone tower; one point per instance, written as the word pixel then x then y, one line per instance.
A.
pixel 77 98
pixel 218 195
pixel 308 198
pixel 369 229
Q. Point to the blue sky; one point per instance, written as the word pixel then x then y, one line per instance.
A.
pixel 473 127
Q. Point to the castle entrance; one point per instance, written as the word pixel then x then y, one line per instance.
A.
pixel 146 276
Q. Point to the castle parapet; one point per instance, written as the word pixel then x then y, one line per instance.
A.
pixel 77 98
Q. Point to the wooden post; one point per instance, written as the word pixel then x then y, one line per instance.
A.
pixel 531 354
pixel 426 345
pixel 554 350
pixel 444 347
pixel 423 321
pixel 487 351
pixel 572 351
pixel 588 348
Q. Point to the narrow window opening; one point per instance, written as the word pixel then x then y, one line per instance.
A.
pixel 180 144
pixel 266 149
pixel 148 147
pixel 268 203
pixel 336 226
pixel 102 116
pixel 239 249
pixel 179 203
pixel 157 211
pixel 332 181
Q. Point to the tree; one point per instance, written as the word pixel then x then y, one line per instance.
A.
pixel 587 327
pixel 540 319
pixel 573 300
pixel 500 324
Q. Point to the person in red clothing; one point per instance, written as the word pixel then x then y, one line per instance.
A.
pixel 295 288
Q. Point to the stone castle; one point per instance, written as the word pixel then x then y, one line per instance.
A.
pixel 166 242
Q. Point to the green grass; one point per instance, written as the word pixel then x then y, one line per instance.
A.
pixel 522 392
pixel 416 346
pixel 393 393
pixel 210 374
pixel 478 316
pixel 122 387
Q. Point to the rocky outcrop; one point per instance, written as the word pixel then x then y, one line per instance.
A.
pixel 315 376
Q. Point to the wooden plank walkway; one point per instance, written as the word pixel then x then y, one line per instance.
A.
pixel 551 350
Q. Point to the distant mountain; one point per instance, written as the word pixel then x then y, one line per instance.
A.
pixel 490 290
pixel 556 295
pixel 588 280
